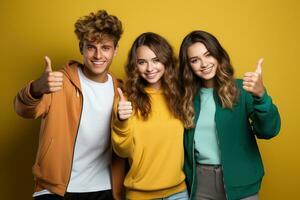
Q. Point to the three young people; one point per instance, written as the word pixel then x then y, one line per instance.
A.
pixel 221 116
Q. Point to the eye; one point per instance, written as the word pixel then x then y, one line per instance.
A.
pixel 141 62
pixel 106 48
pixel 208 54
pixel 194 60
pixel 155 60
pixel 89 47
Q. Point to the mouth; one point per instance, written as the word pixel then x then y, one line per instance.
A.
pixel 97 62
pixel 151 75
pixel 207 69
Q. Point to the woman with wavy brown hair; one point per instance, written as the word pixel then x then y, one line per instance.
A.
pixel 224 115
pixel 148 124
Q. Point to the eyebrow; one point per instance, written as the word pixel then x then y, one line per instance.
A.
pixel 89 44
pixel 205 53
pixel 146 59
pixel 107 45
pixel 193 57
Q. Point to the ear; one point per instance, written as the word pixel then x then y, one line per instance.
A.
pixel 81 47
pixel 116 50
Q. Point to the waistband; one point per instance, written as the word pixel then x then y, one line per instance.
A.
pixel 209 166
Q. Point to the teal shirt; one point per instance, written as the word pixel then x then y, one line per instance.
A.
pixel 206 140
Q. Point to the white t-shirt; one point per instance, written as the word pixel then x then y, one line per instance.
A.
pixel 92 153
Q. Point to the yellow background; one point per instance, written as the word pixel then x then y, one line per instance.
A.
pixel 249 29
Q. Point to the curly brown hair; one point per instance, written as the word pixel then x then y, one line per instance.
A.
pixel 135 85
pixel 225 86
pixel 95 26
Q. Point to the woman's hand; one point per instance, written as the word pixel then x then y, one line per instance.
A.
pixel 252 81
pixel 124 106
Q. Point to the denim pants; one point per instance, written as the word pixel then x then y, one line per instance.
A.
pixel 177 196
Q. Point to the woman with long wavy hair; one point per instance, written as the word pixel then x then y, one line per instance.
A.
pixel 148 122
pixel 222 159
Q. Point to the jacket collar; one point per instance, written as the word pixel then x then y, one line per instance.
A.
pixel 71 71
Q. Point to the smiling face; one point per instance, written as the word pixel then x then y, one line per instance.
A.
pixel 149 66
pixel 97 58
pixel 203 64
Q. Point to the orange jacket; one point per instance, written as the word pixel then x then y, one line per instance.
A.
pixel 60 114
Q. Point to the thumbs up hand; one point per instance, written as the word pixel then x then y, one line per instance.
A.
pixel 124 106
pixel 252 81
pixel 49 82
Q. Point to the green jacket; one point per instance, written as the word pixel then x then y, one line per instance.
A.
pixel 236 130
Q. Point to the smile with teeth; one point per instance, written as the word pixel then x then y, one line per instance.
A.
pixel 207 69
pixel 98 62
pixel 151 75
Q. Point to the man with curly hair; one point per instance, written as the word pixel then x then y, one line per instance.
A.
pixel 74 158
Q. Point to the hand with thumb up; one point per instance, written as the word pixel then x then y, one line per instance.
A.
pixel 252 81
pixel 49 82
pixel 124 107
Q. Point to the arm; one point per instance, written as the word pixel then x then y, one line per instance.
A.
pixel 28 106
pixel 263 113
pixel 122 135
pixel 34 100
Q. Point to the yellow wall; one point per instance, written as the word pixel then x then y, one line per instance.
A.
pixel 247 29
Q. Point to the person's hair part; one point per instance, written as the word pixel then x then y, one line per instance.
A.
pixel 224 80
pixel 95 26
pixel 135 85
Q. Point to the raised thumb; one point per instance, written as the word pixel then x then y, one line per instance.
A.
pixel 48 67
pixel 121 95
pixel 259 66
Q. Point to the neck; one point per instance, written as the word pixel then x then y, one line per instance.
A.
pixel 100 78
pixel 155 86
pixel 209 83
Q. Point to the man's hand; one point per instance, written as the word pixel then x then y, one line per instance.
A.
pixel 49 82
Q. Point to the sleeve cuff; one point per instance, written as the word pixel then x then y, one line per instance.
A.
pixel 27 97
pixel 261 100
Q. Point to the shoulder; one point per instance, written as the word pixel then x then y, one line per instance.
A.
pixel 117 81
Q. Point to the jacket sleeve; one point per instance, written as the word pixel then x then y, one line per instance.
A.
pixel 264 116
pixel 28 107
pixel 122 134
pixel 118 176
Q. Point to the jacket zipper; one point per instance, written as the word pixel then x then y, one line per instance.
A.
pixel 77 94
pixel 193 160
pixel 193 171
pixel 220 153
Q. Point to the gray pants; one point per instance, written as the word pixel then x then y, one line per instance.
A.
pixel 210 184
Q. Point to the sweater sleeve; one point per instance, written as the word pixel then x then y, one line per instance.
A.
pixel 122 134
pixel 28 107
pixel 264 115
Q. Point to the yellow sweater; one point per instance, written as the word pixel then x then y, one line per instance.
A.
pixel 154 148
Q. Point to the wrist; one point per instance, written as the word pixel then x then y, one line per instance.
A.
pixel 34 92
pixel 260 94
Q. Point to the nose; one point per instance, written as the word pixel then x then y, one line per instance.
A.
pixel 204 63
pixel 97 53
pixel 149 66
